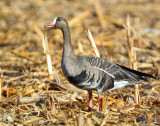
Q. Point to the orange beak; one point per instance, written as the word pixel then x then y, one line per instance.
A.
pixel 49 25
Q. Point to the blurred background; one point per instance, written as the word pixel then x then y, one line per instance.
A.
pixel 24 69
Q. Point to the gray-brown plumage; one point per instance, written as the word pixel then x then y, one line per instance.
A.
pixel 93 73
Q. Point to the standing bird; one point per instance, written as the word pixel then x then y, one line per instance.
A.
pixel 90 72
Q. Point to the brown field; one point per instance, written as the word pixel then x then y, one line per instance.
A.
pixel 29 96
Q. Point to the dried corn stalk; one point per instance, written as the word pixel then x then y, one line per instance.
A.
pixel 48 58
pixel 132 57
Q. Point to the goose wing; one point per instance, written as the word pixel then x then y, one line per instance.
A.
pixel 118 72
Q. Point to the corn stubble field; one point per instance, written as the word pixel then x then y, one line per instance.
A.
pixel 30 97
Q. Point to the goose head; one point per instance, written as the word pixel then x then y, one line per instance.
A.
pixel 57 23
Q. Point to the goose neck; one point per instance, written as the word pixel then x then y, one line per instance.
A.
pixel 67 46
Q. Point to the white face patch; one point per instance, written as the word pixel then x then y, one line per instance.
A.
pixel 54 21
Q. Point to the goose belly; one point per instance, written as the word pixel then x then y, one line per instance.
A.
pixel 122 84
pixel 87 86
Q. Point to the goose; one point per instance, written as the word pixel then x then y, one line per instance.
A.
pixel 90 72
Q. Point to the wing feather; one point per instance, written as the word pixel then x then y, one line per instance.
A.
pixel 114 70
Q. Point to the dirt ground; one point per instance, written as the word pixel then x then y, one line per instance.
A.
pixel 29 96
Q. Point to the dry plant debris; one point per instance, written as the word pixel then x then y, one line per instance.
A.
pixel 30 97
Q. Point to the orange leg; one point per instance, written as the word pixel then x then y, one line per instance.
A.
pixel 90 101
pixel 99 102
